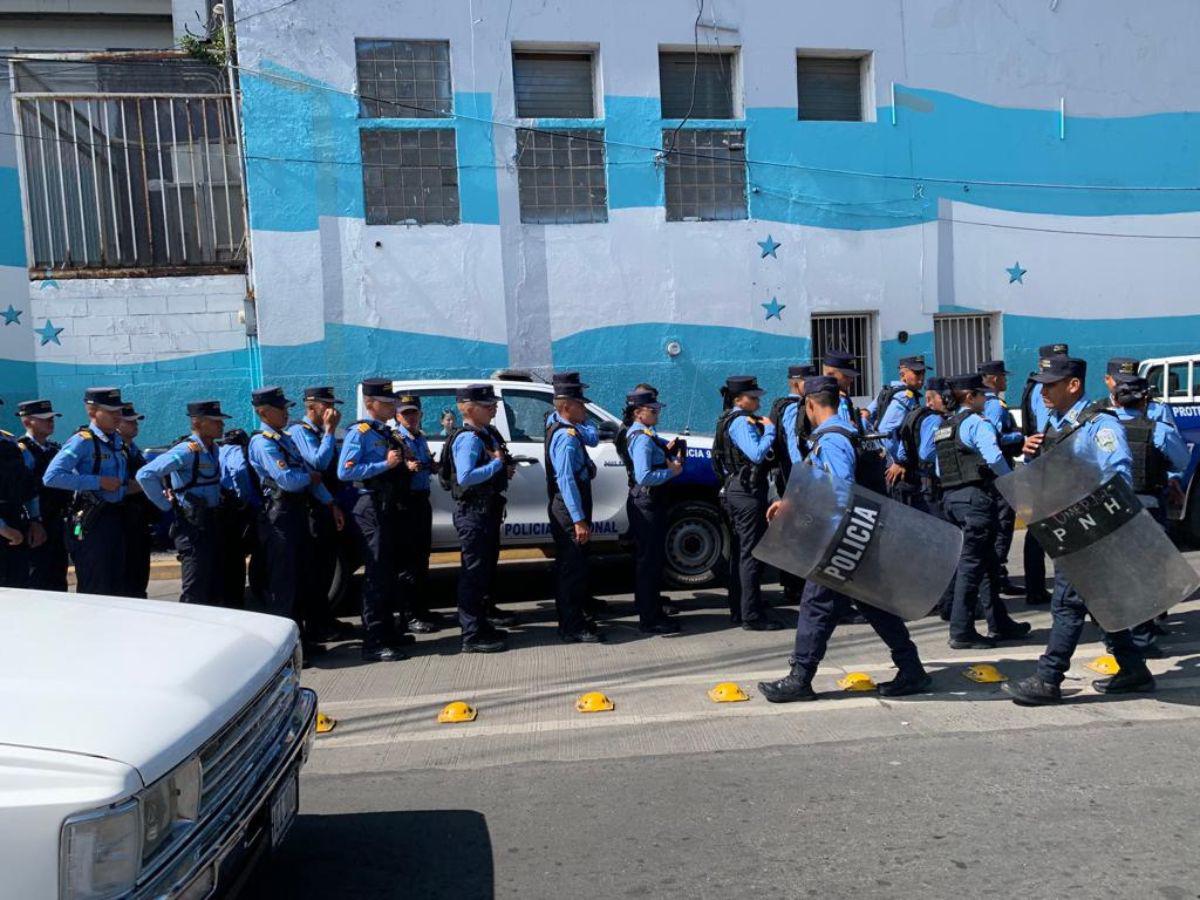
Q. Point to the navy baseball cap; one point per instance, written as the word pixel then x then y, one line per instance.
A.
pixel 1123 368
pixel 915 363
pixel 322 393
pixel 1053 350
pixel 405 402
pixel 841 360
pixel 820 384
pixel 477 393
pixel 993 367
pixel 37 409
pixel 971 381
pixel 936 383
pixel 271 395
pixel 1056 368
pixel 104 397
pixel 210 409
pixel 638 399
pixel 804 371
pixel 743 384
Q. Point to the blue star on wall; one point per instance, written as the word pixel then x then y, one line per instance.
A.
pixel 49 333
pixel 774 308
pixel 1016 274
pixel 11 316
pixel 769 246
pixel 48 282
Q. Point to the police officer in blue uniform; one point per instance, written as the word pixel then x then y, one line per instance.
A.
pixel 1125 368
pixel 286 481
pixel 92 465
pixel 21 524
pixel 237 518
pixel 741 459
pixel 968 462
pixel 833 451
pixel 651 463
pixel 1033 421
pixel 791 443
pixel 898 401
pixel 1069 411
pixel 569 474
pixel 140 514
pixel 48 555
pixel 995 410
pixel 378 465
pixel 840 366
pixel 416 519
pixel 475 468
pixel 187 480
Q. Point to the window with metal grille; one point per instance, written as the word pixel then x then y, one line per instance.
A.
pixel 410 176
pixel 829 88
pixel 705 174
pixel 696 85
pixel 854 334
pixel 553 85
pixel 403 79
pixel 961 343
pixel 560 176
pixel 123 173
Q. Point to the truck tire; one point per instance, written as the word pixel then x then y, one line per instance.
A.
pixel 697 545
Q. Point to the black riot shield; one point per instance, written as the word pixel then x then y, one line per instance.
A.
pixel 861 544
pixel 1101 539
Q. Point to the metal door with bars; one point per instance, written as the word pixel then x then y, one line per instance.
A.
pixel 854 334
pixel 961 343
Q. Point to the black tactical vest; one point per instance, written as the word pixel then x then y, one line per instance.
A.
pixel 960 465
pixel 1055 436
pixel 910 438
pixel 728 459
pixel 583 479
pixel 1149 463
pixel 448 472
pixel 623 452
pixel 53 501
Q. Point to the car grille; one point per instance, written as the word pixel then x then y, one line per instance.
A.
pixel 232 755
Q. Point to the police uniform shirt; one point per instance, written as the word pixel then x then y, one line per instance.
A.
pixel 926 443
pixel 649 458
pixel 71 468
pixel 787 421
pixel 893 417
pixel 844 411
pixel 276 458
pixel 180 464
pixel 1167 441
pixel 419 448
pixel 977 433
pixel 570 463
pixel 833 452
pixel 1101 438
pixel 314 444
pixel 873 406
pixel 32 506
pixel 235 474
pixel 472 463
pixel 364 452
pixel 1002 420
pixel 1041 412
pixel 1161 412
pixel 743 435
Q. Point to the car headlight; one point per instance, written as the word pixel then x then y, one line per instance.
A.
pixel 297 663
pixel 101 852
pixel 170 803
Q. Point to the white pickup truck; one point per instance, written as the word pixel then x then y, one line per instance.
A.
pixel 147 749
pixel 696 540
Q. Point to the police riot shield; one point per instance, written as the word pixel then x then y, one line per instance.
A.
pixel 861 544
pixel 1094 528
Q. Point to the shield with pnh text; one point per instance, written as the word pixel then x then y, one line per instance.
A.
pixel 1101 539
pixel 860 543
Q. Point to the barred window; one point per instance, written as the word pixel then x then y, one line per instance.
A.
pixel 560 176
pixel 696 85
pixel 961 343
pixel 830 88
pixel 410 176
pixel 553 85
pixel 705 174
pixel 403 79
pixel 854 334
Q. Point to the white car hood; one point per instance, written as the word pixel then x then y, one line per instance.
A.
pixel 142 682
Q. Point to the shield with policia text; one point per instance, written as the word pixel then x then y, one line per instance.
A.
pixel 1101 539
pixel 861 544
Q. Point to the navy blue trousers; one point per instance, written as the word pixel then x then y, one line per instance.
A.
pixel 821 609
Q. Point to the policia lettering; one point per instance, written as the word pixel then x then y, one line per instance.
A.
pixel 850 545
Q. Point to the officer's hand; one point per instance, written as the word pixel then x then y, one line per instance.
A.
pixel 1176 496
pixel 413 465
pixel 497 454
pixel 894 473
pixel 582 532
pixel 110 483
pixel 512 472
pixel 1032 443
pixel 37 534
pixel 674 466
pixel 773 510
pixel 314 477
pixel 339 518
pixel 332 416
pixel 394 458
pixel 12 535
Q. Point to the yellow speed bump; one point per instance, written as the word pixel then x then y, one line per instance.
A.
pixel 1105 665
pixel 856 681
pixel 325 724
pixel 984 673
pixel 593 701
pixel 727 692
pixel 457 711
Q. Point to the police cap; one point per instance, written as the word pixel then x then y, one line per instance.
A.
pixel 129 414
pixel 322 393
pixel 560 378
pixel 804 371
pixel 936 383
pixel 210 409
pixel 993 367
pixel 570 390
pixel 104 398
pixel 820 384
pixel 37 409
pixel 378 389
pixel 971 381
pixel 638 399
pixel 1123 368
pixel 915 363
pixel 476 393
pixel 405 402
pixel 1056 368
pixel 1131 390
pixel 1053 350
pixel 272 395
pixel 841 360
pixel 743 384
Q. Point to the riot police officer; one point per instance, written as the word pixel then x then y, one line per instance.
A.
pixel 20 521
pixel 840 366
pixel 416 519
pixel 92 465
pixel 968 461
pixel 475 468
pixel 140 514
pixel 237 520
pixel 791 435
pixel 1033 421
pixel 1069 411
pixel 995 410
pixel 187 479
pixel 833 451
pixel 897 402
pixel 286 481
pixel 1125 368
pixel 377 464
pixel 740 457
pixel 47 559
pixel 569 474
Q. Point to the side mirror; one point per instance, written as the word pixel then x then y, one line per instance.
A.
pixel 607 430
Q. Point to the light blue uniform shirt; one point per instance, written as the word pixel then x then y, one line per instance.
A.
pixel 745 436
pixel 893 417
pixel 235 474
pixel 1102 438
pixel 834 453
pixel 472 463
pixel 787 421
pixel 977 433
pixel 179 464
pixel 649 457
pixel 364 451
pixel 926 447
pixel 419 448
pixel 1161 412
pixel 1002 420
pixel 32 507
pixel 873 406
pixel 275 457
pixel 570 461
pixel 845 414
pixel 71 468
pixel 314 444
pixel 1167 440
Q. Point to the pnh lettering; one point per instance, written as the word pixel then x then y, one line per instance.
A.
pixel 853 543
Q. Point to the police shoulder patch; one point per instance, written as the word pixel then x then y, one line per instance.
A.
pixel 1106 440
pixel 364 427
pixel 193 446
pixel 572 432
pixel 86 434
pixel 4 433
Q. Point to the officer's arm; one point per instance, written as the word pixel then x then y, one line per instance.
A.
pixel 350 464
pixel 308 449
pixel 927 449
pixel 325 451
pixel 839 457
pixel 748 442
pixel 589 433
pixel 1168 440
pixel 1166 415
pixel 151 476
pixel 983 436
pixel 791 417
pixel 61 472
pixel 641 451
pixel 269 458
pixel 465 449
pixel 889 425
pixel 1107 438
pixel 564 455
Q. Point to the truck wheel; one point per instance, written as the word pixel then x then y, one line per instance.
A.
pixel 697 544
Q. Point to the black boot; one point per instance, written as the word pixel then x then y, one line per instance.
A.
pixel 1032 691
pixel 906 684
pixel 1010 631
pixel 796 685
pixel 1127 681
